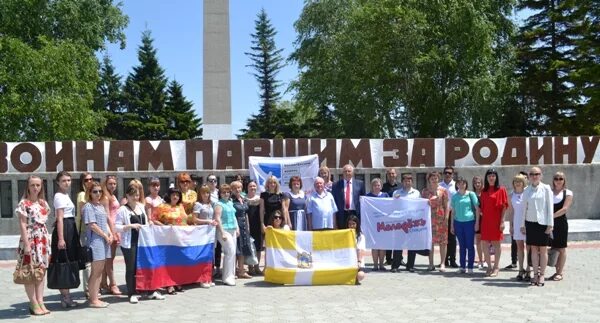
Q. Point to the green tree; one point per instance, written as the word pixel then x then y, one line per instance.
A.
pixel 107 100
pixel 90 23
pixel 558 56
pixel 48 71
pixel 413 68
pixel 182 122
pixel 46 93
pixel 144 96
pixel 266 62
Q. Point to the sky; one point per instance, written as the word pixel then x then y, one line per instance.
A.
pixel 176 26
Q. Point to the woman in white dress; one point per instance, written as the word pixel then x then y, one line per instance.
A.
pixel 516 212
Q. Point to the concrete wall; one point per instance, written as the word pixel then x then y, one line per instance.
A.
pixel 581 179
pixel 217 71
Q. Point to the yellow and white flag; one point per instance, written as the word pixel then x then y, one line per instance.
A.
pixel 311 257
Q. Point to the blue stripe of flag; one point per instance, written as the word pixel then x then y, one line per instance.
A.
pixel 159 256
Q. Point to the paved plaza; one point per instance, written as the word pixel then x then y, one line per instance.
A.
pixel 403 296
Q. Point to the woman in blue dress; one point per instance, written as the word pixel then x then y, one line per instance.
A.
pixel 294 202
pixel 377 254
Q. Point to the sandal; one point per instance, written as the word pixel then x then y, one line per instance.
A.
pixel 556 277
pixel 114 289
pixel 99 305
pixel 494 273
pixel 521 275
pixel 431 268
pixel 541 282
pixel 171 290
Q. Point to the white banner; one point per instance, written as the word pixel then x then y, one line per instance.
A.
pixel 396 223
pixel 307 167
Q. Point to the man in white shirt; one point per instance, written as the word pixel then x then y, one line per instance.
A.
pixel 449 184
pixel 406 190
pixel 346 193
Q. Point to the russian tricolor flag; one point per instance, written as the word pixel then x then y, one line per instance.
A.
pixel 174 255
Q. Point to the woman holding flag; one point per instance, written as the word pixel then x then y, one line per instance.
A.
pixel 130 218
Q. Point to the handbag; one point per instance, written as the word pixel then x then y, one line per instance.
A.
pixel 27 274
pixel 251 260
pixel 63 275
pixel 85 252
pixel 86 256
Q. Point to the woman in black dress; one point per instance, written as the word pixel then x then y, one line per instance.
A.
pixel 271 201
pixel 255 225
pixel 563 198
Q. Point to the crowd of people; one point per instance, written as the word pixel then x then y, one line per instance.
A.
pixel 100 221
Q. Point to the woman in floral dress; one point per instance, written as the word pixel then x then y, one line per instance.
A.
pixel 34 246
pixel 438 199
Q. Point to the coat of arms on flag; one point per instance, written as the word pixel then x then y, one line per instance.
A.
pixel 311 257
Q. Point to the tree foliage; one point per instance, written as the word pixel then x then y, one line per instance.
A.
pixel 46 93
pixel 266 62
pixel 144 96
pixel 559 73
pixel 48 71
pixel 90 23
pixel 182 122
pixel 415 68
pixel 108 100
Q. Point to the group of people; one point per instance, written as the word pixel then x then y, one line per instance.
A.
pixel 476 218
pixel 102 222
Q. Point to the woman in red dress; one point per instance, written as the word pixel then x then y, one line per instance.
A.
pixel 438 199
pixel 494 201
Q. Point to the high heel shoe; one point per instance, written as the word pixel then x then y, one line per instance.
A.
pixel 533 281
pixel 114 289
pixel 35 309
pixel 66 302
pixel 44 309
pixel 541 281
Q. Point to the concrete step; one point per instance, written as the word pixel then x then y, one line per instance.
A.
pixel 579 230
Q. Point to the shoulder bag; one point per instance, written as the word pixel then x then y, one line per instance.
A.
pixel 63 275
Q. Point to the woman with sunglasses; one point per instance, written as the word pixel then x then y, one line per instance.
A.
pixel 563 198
pixel 99 239
pixel 494 202
pixel 111 203
pixel 189 196
pixel 85 180
pixel 277 222
pixel 537 223
pixel 65 239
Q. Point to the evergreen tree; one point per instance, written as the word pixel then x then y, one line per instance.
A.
pixel 182 122
pixel 267 62
pixel 107 101
pixel 558 55
pixel 144 96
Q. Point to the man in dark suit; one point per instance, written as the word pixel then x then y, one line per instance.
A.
pixel 346 193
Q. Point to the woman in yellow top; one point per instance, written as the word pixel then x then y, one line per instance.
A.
pixel 188 195
pixel 172 213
